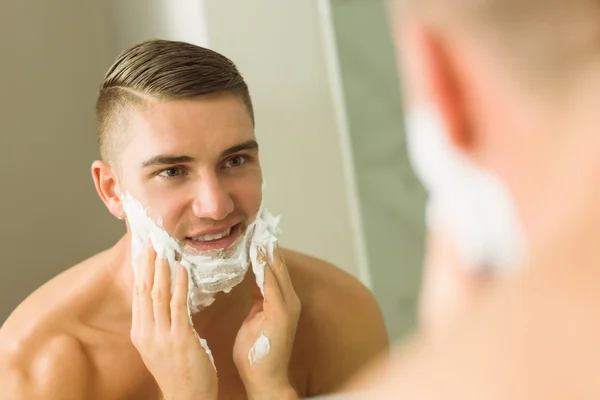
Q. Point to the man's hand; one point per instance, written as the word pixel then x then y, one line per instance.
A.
pixel 273 318
pixel 162 333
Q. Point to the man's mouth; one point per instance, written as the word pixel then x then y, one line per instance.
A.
pixel 215 240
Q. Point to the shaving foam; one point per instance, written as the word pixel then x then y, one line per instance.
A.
pixel 260 349
pixel 212 272
pixel 473 203
pixel 204 345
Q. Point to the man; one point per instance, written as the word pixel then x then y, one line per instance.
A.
pixel 506 92
pixel 176 130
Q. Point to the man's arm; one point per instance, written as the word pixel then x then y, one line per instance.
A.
pixel 59 370
pixel 352 334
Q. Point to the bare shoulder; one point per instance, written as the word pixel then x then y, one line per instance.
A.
pixel 41 354
pixel 341 317
pixel 316 280
pixel 44 367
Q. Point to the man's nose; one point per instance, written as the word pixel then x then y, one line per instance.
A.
pixel 212 199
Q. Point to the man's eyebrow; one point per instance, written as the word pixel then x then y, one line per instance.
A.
pixel 163 159
pixel 166 160
pixel 249 145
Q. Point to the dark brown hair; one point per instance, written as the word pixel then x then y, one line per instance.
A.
pixel 162 70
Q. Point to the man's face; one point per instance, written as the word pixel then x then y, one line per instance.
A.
pixel 194 165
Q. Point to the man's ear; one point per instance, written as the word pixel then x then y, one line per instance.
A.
pixel 435 82
pixel 108 189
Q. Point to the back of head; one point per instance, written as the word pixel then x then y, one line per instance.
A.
pixel 161 70
pixel 545 42
pixel 501 101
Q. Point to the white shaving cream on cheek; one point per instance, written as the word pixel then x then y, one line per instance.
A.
pixel 260 349
pixel 208 275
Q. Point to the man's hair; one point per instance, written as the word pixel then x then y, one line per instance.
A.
pixel 161 70
pixel 545 40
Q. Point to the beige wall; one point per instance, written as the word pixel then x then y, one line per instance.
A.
pixel 282 49
pixel 53 55
pixel 51 60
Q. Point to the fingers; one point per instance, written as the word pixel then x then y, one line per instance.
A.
pixel 135 313
pixel 161 294
pixel 280 271
pixel 180 319
pixel 273 294
pixel 144 279
pixel 280 296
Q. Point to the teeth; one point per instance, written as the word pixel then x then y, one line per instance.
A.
pixel 209 237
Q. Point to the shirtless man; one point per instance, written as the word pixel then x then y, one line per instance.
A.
pixel 176 130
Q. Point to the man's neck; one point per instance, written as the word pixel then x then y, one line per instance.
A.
pixel 227 311
pixel 571 202
pixel 450 286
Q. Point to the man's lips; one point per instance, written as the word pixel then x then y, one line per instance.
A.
pixel 215 239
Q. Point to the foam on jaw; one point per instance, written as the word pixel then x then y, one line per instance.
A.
pixel 263 238
pixel 208 274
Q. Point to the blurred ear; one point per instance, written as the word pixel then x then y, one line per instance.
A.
pixel 108 188
pixel 433 82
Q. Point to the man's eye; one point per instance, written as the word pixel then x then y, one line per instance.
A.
pixel 235 162
pixel 171 172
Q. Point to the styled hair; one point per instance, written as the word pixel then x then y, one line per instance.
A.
pixel 162 70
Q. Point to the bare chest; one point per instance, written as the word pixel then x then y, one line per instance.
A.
pixel 122 375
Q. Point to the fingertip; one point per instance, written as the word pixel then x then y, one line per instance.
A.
pixel 270 282
pixel 136 268
pixel 181 275
pixel 150 247
pixel 149 252
pixel 275 254
pixel 179 301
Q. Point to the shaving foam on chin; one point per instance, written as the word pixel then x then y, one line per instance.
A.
pixel 208 274
pixel 472 203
